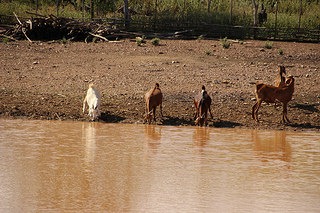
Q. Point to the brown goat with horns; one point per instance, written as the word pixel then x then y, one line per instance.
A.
pixel 202 102
pixel 153 98
pixel 271 94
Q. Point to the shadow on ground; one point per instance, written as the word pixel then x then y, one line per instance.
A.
pixel 175 121
pixel 226 124
pixel 304 125
pixel 308 107
pixel 110 118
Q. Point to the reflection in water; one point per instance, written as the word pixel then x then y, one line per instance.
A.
pixel 89 138
pixel 153 136
pixel 48 166
pixel 272 144
pixel 201 136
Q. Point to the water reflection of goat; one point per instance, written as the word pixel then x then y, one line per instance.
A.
pixel 277 146
pixel 153 136
pixel 89 137
pixel 201 136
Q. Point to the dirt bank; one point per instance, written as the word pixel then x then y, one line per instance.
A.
pixel 49 81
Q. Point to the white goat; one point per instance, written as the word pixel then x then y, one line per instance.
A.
pixel 93 100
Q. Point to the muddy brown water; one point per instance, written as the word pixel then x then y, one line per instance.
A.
pixel 52 166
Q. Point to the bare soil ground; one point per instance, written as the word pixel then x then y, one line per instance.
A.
pixel 49 81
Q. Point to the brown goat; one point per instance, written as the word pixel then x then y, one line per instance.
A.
pixel 202 102
pixel 153 98
pixel 271 94
pixel 281 80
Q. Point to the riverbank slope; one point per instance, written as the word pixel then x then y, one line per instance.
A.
pixel 49 81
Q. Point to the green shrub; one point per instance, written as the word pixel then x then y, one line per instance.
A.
pixel 5 40
pixel 155 41
pixel 225 43
pixel 268 45
pixel 207 52
pixel 200 38
pixel 139 41
pixel 280 51
pixel 66 41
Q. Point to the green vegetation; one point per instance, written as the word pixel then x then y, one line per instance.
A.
pixel 268 45
pixel 225 43
pixel 280 51
pixel 207 52
pixel 5 40
pixel 139 41
pixel 208 11
pixel 64 40
pixel 200 38
pixel 155 41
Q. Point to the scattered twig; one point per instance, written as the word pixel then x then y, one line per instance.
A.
pixel 9 37
pixel 99 36
pixel 58 116
pixel 31 13
pixel 23 30
pixel 17 18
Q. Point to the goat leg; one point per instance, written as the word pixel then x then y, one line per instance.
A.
pixel 210 112
pixel 161 111
pixel 257 106
pixel 196 122
pixel 284 113
pixel 253 111
pixel 154 114
pixel 84 105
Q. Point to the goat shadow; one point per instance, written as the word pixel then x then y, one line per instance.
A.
pixel 175 121
pixel 307 107
pixel 225 124
pixel 107 117
pixel 304 125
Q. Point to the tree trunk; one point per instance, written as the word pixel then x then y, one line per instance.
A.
pixel 36 6
pixel 209 5
pixel 57 2
pixel 82 1
pixel 231 4
pixel 126 13
pixel 256 7
pixel 300 15
pixel 276 21
pixel 92 9
pixel 155 14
